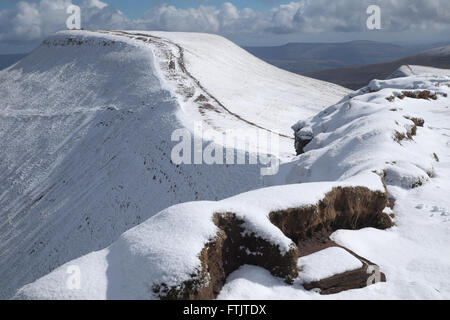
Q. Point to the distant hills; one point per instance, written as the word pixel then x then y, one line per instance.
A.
pixel 9 59
pixel 305 57
pixel 357 77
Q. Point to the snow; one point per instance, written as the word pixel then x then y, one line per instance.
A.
pixel 149 255
pixel 87 182
pixel 441 51
pixel 410 70
pixel 413 254
pixel 252 282
pixel 257 91
pixel 85 124
pixel 326 263
pixel 250 95
pixel 140 256
pixel 358 135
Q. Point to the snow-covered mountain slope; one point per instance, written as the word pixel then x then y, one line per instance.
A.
pixel 225 87
pixel 86 122
pixel 249 87
pixel 411 70
pixel 382 118
pixel 147 262
pixel 437 52
pixel 396 130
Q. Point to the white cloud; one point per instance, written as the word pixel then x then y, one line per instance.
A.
pixel 33 21
pixel 166 17
pixel 94 3
pixel 350 15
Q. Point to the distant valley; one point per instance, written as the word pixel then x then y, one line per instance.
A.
pixel 306 57
pixel 357 77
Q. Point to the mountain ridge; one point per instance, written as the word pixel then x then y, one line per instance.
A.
pixel 86 125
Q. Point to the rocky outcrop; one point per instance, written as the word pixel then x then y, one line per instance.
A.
pixel 419 122
pixel 425 95
pixel 353 279
pixel 232 248
pixel 418 94
pixel 342 208
pixel 301 143
pixel 302 138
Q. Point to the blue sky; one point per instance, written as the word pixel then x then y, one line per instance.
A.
pixel 135 8
pixel 23 24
